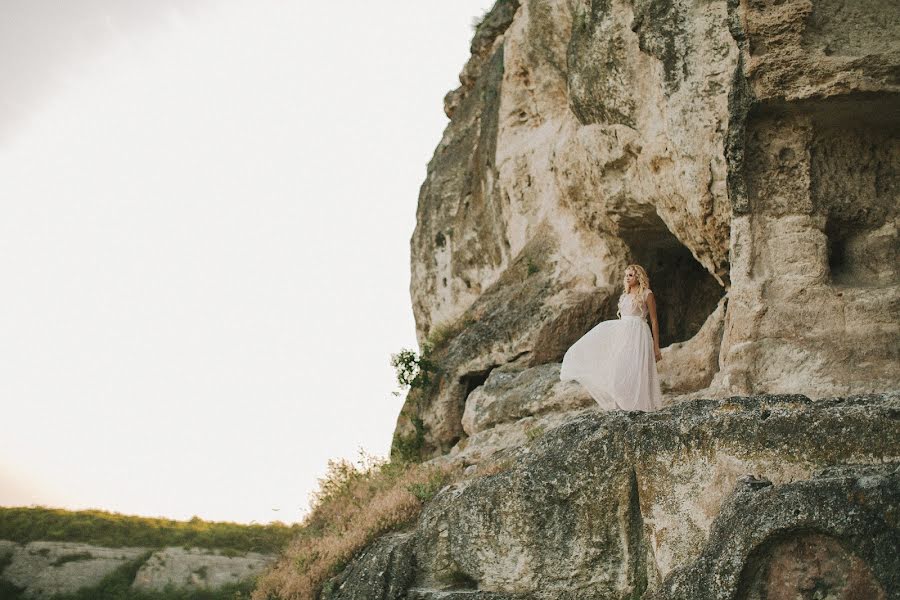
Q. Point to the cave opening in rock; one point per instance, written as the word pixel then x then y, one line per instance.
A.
pixel 853 184
pixel 686 293
pixel 472 380
pixel 467 384
pixel 840 266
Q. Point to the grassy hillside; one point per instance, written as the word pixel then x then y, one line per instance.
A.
pixel 103 528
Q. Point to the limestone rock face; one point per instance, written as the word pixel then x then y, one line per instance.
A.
pixel 46 569
pixel 510 395
pixel 745 152
pixel 748 497
pixel 840 550
pixel 197 569
pixel 382 572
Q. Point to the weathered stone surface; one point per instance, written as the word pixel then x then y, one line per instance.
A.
pixel 798 50
pixel 815 298
pixel 45 569
pixel 504 326
pixel 832 536
pixel 690 366
pixel 495 443
pixel 743 494
pixel 382 572
pixel 197 568
pixel 420 594
pixel 512 394
pixel 488 35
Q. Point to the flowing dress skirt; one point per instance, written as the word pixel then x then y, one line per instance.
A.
pixel 614 361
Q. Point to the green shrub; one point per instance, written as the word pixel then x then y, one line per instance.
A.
pixel 477 21
pixel 101 528
pixel 414 371
pixel 408 448
pixel 425 491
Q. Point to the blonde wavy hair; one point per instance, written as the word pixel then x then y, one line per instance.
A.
pixel 643 282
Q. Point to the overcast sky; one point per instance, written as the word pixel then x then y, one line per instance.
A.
pixel 204 243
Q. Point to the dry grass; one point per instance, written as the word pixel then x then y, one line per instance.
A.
pixel 355 504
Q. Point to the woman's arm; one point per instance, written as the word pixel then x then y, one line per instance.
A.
pixel 654 324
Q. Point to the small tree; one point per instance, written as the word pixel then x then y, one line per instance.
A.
pixel 413 370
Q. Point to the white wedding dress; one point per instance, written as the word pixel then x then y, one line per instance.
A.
pixel 615 362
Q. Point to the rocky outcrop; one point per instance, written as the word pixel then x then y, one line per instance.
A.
pixel 706 499
pixel 197 568
pixel 815 298
pixel 825 535
pixel 46 569
pixel 745 152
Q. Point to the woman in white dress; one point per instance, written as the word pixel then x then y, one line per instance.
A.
pixel 616 360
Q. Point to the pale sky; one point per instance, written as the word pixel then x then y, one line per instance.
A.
pixel 204 243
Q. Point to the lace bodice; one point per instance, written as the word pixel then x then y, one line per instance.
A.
pixel 631 306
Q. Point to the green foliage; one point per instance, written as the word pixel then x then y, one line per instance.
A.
pixel 5 559
pixel 439 334
pixel 478 21
pixel 329 588
pixel 414 371
pixel 113 530
pixel 532 266
pixel 7 590
pixel 341 475
pixel 10 592
pixel 409 448
pixel 427 490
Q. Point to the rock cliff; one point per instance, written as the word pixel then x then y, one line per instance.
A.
pixel 746 152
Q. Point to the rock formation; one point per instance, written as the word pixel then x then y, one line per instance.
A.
pixel 746 152
pixel 47 569
pixel 751 498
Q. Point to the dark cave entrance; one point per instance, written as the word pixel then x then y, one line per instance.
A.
pixel 686 293
pixel 467 384
pixel 470 381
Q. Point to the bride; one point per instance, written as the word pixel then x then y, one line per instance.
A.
pixel 616 360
